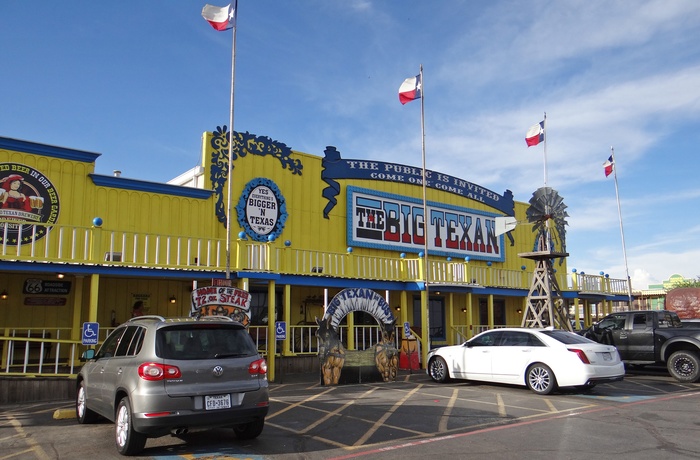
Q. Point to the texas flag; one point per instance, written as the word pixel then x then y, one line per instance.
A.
pixel 220 17
pixel 535 134
pixel 609 166
pixel 410 89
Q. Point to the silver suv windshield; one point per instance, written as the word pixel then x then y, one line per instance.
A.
pixel 204 341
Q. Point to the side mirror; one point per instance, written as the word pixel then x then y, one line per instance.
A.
pixel 88 355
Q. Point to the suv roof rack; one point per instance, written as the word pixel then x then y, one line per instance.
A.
pixel 139 318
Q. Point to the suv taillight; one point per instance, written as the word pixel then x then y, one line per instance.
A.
pixel 258 367
pixel 158 371
pixel 581 355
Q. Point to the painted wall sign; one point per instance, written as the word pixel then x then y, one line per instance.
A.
pixel 262 210
pixel 384 221
pixel 222 301
pixel 335 167
pixel 26 197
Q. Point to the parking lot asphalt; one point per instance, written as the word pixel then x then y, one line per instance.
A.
pixel 647 415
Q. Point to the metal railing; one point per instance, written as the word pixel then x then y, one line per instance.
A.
pixel 98 246
pixel 38 351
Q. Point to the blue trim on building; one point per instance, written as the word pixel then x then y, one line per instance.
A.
pixel 151 187
pixel 293 280
pixel 47 150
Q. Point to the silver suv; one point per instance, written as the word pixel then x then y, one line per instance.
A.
pixel 154 376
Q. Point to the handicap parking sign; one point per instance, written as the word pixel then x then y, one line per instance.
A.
pixel 90 333
pixel 280 330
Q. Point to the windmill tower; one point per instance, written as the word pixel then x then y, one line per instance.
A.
pixel 547 214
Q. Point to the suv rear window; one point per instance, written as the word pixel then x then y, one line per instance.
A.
pixel 204 341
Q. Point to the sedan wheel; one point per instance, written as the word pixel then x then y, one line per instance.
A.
pixel 128 441
pixel 437 368
pixel 540 379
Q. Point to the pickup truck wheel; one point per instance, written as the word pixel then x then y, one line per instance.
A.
pixel 684 366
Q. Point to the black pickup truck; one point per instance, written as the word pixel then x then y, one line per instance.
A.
pixel 652 337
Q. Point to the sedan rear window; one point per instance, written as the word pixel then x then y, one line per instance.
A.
pixel 204 342
pixel 568 338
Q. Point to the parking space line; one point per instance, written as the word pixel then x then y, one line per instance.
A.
pixel 296 404
pixel 501 406
pixel 33 445
pixel 442 426
pixel 550 404
pixel 379 423
pixel 335 412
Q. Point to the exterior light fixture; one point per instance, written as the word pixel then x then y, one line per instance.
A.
pixel 4 295
pixel 173 299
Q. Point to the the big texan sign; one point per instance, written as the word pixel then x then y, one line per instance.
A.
pixel 385 221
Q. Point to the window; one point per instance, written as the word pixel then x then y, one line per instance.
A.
pixel 204 342
pixel 488 339
pixel 109 346
pixel 639 321
pixel 436 316
pixel 519 339
pixel 125 341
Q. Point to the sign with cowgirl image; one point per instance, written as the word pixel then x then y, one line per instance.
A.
pixel 29 204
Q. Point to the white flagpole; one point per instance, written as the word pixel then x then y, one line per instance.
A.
pixel 546 224
pixel 426 219
pixel 544 129
pixel 622 232
pixel 231 141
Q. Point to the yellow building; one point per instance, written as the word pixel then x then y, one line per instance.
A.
pixel 79 247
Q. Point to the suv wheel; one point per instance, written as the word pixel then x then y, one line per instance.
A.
pixel 82 412
pixel 128 441
pixel 249 430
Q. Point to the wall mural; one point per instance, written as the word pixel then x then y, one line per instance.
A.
pixel 27 197
pixel 338 365
pixel 245 143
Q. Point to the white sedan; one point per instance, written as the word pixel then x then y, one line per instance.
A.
pixel 541 359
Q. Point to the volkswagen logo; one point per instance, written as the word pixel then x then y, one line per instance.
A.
pixel 218 371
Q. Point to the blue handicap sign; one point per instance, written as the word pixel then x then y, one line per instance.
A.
pixel 280 330
pixel 90 333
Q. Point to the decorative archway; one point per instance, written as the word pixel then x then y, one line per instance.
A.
pixel 338 365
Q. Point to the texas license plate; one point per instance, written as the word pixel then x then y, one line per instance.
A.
pixel 217 402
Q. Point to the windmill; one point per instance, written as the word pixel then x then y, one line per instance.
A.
pixel 547 215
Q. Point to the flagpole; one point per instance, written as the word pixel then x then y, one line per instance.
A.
pixel 231 141
pixel 426 219
pixel 544 128
pixel 546 224
pixel 622 232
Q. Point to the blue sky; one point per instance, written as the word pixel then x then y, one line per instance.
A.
pixel 139 82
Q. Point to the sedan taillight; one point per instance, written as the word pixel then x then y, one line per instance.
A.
pixel 158 371
pixel 258 367
pixel 581 355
